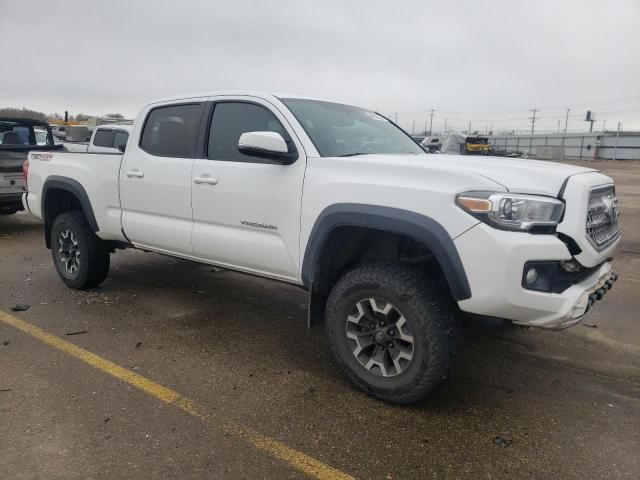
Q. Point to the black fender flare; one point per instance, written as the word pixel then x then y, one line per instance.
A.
pixel 419 227
pixel 74 187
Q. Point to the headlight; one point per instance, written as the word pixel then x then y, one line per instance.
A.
pixel 512 211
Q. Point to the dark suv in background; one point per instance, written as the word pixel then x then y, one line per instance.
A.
pixel 19 136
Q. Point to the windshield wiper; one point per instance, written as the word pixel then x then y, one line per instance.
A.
pixel 354 154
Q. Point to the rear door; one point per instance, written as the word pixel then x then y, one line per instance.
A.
pixel 156 178
pixel 247 212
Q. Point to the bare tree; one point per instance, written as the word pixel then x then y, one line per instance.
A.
pixel 22 113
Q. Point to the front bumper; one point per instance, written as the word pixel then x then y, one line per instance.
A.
pixel 587 297
pixel 494 262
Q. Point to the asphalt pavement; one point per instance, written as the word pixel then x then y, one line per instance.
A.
pixel 177 370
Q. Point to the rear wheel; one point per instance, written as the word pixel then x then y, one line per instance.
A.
pixel 80 256
pixel 392 331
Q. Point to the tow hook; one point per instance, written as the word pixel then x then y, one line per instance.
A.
pixel 600 292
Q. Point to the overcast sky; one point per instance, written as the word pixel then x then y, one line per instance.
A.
pixel 482 61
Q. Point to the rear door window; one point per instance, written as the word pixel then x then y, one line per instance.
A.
pixel 172 131
pixel 120 139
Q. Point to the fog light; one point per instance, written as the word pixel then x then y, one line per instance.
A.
pixel 531 276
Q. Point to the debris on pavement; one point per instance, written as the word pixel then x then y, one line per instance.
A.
pixel 138 344
pixel 502 442
pixel 5 389
pixel 77 333
pixel 20 307
pixel 590 325
pixel 6 342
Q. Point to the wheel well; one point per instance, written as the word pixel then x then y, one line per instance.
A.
pixel 56 202
pixel 348 246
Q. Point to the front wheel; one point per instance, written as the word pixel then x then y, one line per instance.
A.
pixel 80 256
pixel 392 331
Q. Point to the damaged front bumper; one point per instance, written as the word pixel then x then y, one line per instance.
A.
pixel 580 298
pixel 588 298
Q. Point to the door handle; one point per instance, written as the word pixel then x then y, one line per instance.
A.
pixel 135 173
pixel 205 179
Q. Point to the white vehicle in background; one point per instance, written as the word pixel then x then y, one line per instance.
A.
pixel 432 143
pixel 341 202
pixel 59 131
pixel 41 136
pixel 110 138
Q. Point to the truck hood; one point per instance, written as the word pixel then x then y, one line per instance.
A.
pixel 517 175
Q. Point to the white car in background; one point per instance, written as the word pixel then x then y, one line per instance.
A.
pixel 59 131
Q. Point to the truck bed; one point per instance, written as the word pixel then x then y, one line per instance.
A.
pixel 94 173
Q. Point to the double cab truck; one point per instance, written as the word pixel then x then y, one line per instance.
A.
pixel 19 136
pixel 389 242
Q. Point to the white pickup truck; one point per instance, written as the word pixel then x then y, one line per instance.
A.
pixel 342 202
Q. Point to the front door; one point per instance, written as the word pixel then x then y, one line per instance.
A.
pixel 156 179
pixel 246 209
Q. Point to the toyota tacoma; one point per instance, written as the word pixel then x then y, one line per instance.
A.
pixel 387 240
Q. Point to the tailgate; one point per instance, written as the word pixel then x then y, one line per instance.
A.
pixel 12 161
pixel 11 179
pixel 11 183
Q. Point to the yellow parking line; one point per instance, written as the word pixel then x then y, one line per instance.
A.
pixel 275 448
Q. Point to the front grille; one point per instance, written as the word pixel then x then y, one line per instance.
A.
pixel 602 217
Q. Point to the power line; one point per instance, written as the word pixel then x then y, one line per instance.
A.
pixel 464 116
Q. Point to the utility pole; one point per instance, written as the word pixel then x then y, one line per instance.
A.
pixel 615 147
pixel 533 118
pixel 425 128
pixel 469 128
pixel 445 125
pixel 533 125
pixel 396 117
pixel 413 129
pixel 604 125
pixel 558 125
pixel 431 120
pixel 566 120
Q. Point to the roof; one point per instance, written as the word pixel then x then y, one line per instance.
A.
pixel 25 121
pixel 247 93
pixel 115 126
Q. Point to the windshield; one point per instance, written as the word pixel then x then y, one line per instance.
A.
pixel 339 130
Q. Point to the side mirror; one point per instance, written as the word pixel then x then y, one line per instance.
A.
pixel 122 147
pixel 266 145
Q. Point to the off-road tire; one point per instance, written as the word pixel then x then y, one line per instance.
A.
pixel 93 252
pixel 426 308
